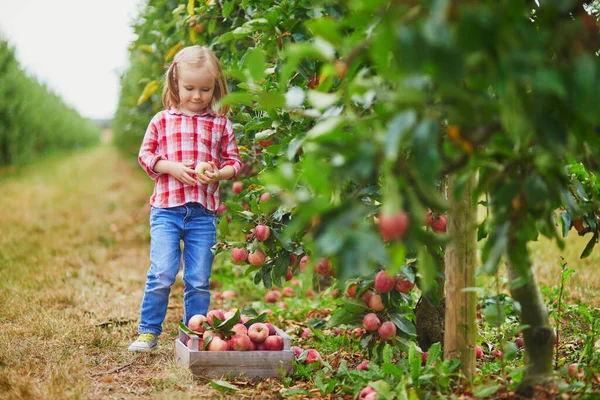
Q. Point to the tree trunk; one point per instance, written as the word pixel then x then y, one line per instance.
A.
pixel 539 338
pixel 460 329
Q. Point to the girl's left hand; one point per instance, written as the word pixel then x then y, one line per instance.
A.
pixel 210 176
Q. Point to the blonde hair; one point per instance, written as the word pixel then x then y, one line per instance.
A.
pixel 197 57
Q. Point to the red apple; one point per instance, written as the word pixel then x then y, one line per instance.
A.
pixel 324 267
pixel 363 366
pixel 424 358
pixel 289 274
pixel 387 330
pixel 282 305
pixel 239 329
pixel 306 332
pixel 313 356
pixel 273 296
pixel 393 226
pixel 384 282
pixel 371 322
pixel 200 345
pixel 404 285
pixel 244 318
pixel 238 187
pixel 274 343
pixel 438 224
pixel 258 332
pixel 196 323
pixel 260 346
pixel 310 293
pixel 265 197
pixel 358 332
pixel 239 254
pixel 214 313
pixel 287 291
pixel 497 353
pixel 293 259
pixel 376 303
pixel 478 352
pixel 519 342
pixel 366 296
pixel 257 258
pixel 209 334
pixel 303 262
pixel 228 294
pixel 573 370
pixel 222 208
pixel 240 342
pixel 271 328
pixel 217 344
pixel 351 291
pixel 265 143
pixel 428 218
pixel 367 391
pixel 297 350
pixel 262 232
pixel 578 225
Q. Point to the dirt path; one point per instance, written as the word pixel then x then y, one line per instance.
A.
pixel 73 258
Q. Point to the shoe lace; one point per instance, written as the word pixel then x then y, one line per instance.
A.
pixel 145 337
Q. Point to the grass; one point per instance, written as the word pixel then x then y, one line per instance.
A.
pixel 73 258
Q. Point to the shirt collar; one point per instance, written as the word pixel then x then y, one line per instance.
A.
pixel 206 112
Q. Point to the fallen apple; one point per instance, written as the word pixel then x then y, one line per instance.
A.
pixel 363 366
pixel 273 296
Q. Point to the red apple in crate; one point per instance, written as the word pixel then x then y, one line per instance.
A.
pixel 258 332
pixel 303 262
pixel 393 226
pixel 215 313
pixel 240 342
pixel 265 197
pixel 271 328
pixel 262 232
pixel 387 330
pixel 199 347
pixel 371 322
pixel 239 255
pixel 384 282
pixel 324 267
pixel 256 258
pixel 217 344
pixel 274 343
pixel 228 294
pixel 375 303
pixel 273 296
pixel 239 329
pixel 363 366
pixel 209 334
pixel 244 318
pixel 260 346
pixel 229 314
pixel 196 323
pixel 403 285
pixel 313 356
pixel 287 291
pixel 237 187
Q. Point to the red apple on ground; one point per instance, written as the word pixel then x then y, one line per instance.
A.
pixel 228 294
pixel 273 296
pixel 573 370
pixel 239 254
pixel 324 267
pixel 337 331
pixel 282 305
pixel 371 322
pixel 271 328
pixel 497 354
pixel 306 332
pixel 367 391
pixel 384 282
pixel 196 323
pixel 257 258
pixel 478 352
pixel 376 303
pixel 262 232
pixel 287 291
pixel 438 224
pixel 258 332
pixel 313 356
pixel 265 197
pixel 310 293
pixel 240 342
pixel 274 343
pixel 237 187
pixel 297 350
pixel 217 344
pixel 214 313
pixel 363 366
pixel 519 342
pixel 296 282
pixel 387 330
pixel 303 262
pixel 394 226
pixel 239 329
pixel 404 285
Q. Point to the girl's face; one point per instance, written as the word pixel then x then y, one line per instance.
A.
pixel 196 87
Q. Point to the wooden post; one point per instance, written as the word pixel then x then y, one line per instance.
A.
pixel 460 330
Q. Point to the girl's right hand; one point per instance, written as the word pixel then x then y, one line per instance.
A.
pixel 184 173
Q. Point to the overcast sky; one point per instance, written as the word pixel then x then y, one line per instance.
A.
pixel 78 48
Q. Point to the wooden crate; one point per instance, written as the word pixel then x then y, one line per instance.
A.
pixel 251 364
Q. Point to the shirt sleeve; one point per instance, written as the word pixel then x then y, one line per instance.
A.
pixel 229 150
pixel 148 155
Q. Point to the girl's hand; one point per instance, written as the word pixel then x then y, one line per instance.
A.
pixel 210 176
pixel 184 173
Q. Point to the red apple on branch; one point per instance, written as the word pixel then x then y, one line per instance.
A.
pixel 257 258
pixel 262 232
pixel 387 330
pixel 393 226
pixel 239 254
pixel 384 282
pixel 371 322
pixel 237 187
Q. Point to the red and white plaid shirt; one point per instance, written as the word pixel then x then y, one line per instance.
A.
pixel 174 136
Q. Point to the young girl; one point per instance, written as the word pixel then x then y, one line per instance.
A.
pixel 187 132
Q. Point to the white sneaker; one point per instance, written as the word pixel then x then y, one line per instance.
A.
pixel 144 342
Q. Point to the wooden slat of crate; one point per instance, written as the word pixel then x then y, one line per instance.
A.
pixel 215 364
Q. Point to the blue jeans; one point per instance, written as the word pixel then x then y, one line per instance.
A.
pixel 196 226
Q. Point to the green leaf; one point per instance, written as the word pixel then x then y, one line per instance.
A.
pixel 227 8
pixel 256 63
pixel 395 131
pixel 404 324
pixel 486 391
pixel 223 228
pixel 237 98
pixel 223 386
pixel 494 314
pixel 354 305
pixel 427 268
pixel 590 246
